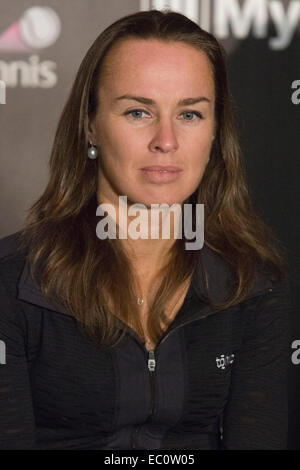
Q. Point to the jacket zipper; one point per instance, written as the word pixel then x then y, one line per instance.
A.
pixel 152 359
pixel 152 365
pixel 151 368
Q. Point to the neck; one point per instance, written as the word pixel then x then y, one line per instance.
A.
pixel 148 235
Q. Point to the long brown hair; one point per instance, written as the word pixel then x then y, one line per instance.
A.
pixel 72 264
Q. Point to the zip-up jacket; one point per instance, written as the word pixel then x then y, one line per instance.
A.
pixel 216 380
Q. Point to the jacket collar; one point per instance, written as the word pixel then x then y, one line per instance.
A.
pixel 212 279
pixel 29 291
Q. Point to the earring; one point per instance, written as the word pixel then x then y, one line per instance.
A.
pixel 92 152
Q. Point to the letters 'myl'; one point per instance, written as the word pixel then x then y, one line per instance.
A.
pixel 232 17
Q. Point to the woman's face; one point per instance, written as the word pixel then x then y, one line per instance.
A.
pixel 142 121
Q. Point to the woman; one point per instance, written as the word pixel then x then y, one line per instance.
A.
pixel 140 343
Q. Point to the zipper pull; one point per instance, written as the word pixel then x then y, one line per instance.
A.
pixel 151 361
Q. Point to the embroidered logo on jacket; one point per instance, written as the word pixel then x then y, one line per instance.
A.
pixel 224 361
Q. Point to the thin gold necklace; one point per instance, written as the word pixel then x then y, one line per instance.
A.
pixel 140 300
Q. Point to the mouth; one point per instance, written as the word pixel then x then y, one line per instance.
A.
pixel 161 174
pixel 162 169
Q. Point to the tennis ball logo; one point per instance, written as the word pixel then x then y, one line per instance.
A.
pixel 39 27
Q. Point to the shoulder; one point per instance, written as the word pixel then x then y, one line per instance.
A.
pixel 10 245
pixel 12 258
pixel 217 280
pixel 268 314
pixel 15 315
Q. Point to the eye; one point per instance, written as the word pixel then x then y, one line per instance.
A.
pixel 137 113
pixel 190 115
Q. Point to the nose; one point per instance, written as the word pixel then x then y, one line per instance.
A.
pixel 164 140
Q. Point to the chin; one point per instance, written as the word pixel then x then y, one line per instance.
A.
pixel 163 200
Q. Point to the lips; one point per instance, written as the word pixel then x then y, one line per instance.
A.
pixel 158 174
pixel 171 169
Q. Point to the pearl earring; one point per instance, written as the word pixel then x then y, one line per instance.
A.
pixel 92 152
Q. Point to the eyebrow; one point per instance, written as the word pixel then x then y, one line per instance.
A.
pixel 183 102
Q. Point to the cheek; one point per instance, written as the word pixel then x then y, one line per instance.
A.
pixel 112 147
pixel 121 145
pixel 201 153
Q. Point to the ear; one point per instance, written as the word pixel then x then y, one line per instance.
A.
pixel 91 132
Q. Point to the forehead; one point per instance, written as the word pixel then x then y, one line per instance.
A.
pixel 146 65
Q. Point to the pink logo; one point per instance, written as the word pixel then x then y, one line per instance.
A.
pixel 39 27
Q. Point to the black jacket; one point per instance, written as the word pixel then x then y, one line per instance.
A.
pixel 216 380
